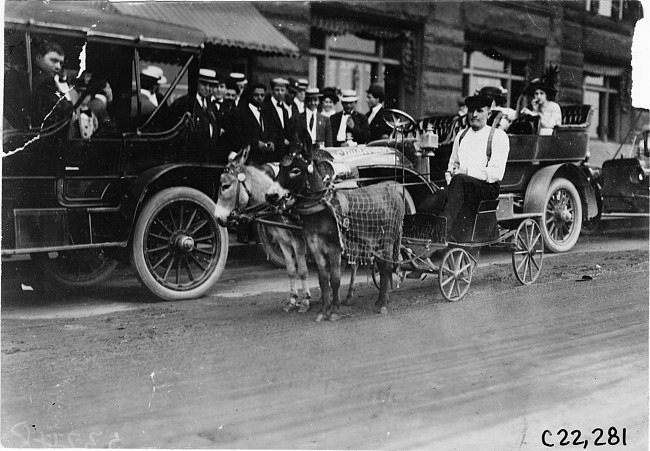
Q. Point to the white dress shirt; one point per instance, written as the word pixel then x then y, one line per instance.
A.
pixel 374 112
pixel 471 154
pixel 312 130
pixel 341 135
pixel 151 96
pixel 279 109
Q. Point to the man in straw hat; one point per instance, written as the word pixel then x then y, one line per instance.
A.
pixel 476 166
pixel 204 140
pixel 151 78
pixel 349 121
pixel 311 126
pixel 276 117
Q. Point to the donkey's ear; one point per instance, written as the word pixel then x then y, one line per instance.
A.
pixel 242 156
pixel 305 149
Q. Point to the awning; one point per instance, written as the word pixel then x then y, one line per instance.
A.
pixel 603 69
pixel 88 20
pixel 230 24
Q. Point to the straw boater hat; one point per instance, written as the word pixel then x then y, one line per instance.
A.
pixel 238 77
pixel 208 76
pixel 279 82
pixel 303 83
pixel 348 95
pixel 154 73
pixel 312 92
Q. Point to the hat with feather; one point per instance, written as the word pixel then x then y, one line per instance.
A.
pixel 547 82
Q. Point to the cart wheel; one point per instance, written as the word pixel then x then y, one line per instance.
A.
pixel 562 218
pixel 270 246
pixel 528 253
pixel 455 275
pixel 179 251
pixel 76 268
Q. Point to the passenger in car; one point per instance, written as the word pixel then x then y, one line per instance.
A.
pixel 48 102
pixel 543 91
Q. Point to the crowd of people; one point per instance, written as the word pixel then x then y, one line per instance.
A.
pixel 230 114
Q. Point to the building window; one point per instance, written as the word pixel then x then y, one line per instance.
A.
pixel 495 67
pixel 347 61
pixel 607 8
pixel 602 93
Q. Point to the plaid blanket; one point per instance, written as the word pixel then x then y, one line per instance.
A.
pixel 369 221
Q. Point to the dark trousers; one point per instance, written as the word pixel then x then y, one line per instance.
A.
pixel 463 193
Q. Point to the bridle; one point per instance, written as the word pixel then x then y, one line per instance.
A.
pixel 240 176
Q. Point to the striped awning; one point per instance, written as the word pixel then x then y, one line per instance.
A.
pixel 229 24
pixel 604 69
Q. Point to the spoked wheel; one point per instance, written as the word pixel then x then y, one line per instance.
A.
pixel 76 268
pixel 271 246
pixel 562 216
pixel 528 253
pixel 455 275
pixel 400 121
pixel 179 250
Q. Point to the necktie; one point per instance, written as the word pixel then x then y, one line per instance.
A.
pixel 311 122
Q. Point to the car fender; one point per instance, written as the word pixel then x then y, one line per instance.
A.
pixel 540 182
pixel 204 178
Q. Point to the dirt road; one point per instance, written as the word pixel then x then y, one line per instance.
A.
pixel 493 371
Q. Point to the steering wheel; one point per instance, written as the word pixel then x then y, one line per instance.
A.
pixel 400 121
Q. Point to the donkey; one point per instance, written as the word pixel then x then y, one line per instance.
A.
pixel 300 182
pixel 244 186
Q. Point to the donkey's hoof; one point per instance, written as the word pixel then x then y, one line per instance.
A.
pixel 335 317
pixel 304 308
pixel 381 310
pixel 320 317
pixel 287 308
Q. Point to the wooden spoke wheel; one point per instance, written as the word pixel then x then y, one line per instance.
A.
pixel 455 274
pixel 528 253
pixel 75 268
pixel 178 249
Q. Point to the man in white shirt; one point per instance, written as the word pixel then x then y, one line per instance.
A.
pixel 349 121
pixel 477 163
pixel 311 123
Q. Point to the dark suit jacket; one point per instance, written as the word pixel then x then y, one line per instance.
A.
pixel 274 130
pixel 323 129
pixel 245 130
pixel 200 140
pixel 360 132
pixel 378 126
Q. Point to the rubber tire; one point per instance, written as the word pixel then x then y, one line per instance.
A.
pixel 52 270
pixel 273 252
pixel 152 207
pixel 572 236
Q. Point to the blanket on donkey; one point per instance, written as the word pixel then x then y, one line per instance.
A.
pixel 369 221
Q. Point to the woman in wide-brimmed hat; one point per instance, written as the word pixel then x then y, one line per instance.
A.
pixel 543 91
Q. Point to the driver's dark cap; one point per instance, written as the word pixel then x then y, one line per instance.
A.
pixel 477 102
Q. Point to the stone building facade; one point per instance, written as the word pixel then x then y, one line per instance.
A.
pixel 430 54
